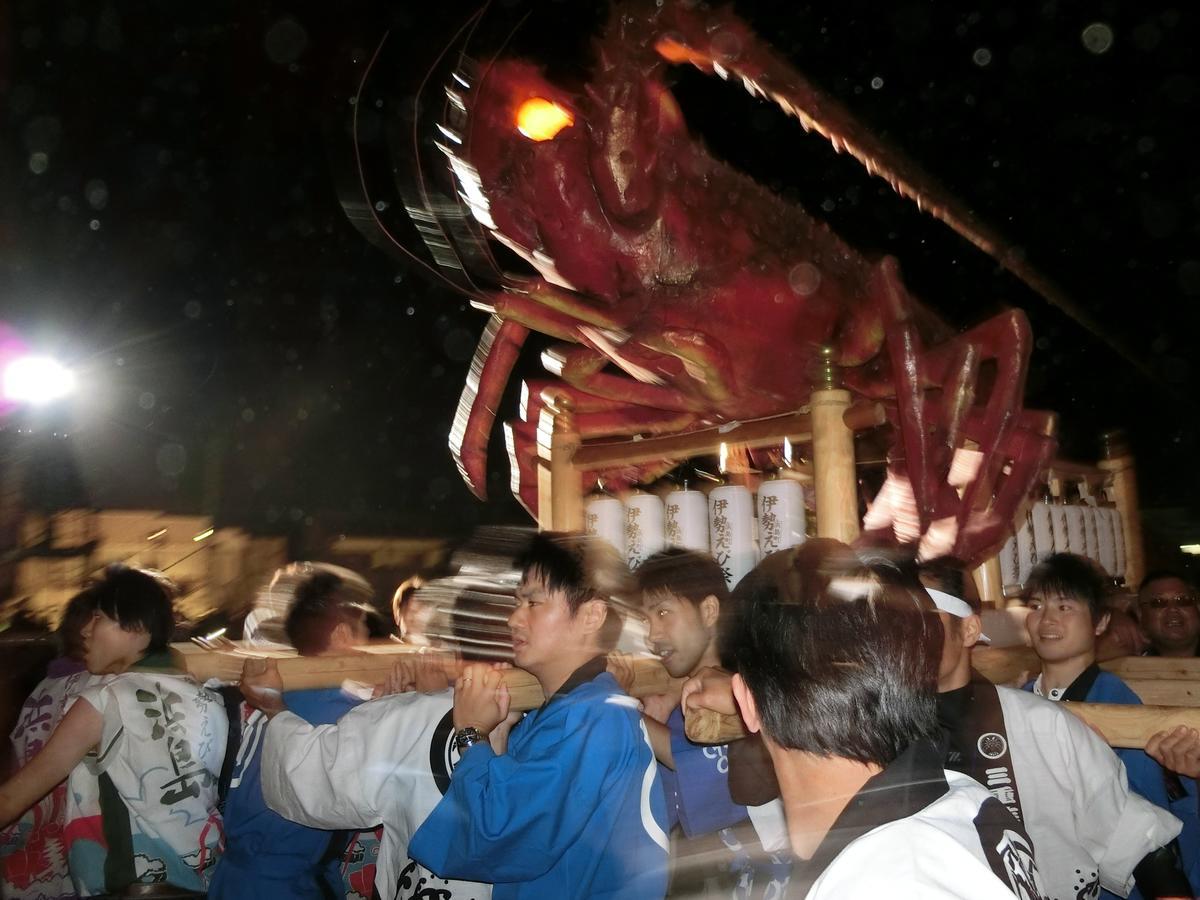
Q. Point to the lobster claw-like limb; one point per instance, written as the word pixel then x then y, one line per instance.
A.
pixel 497 352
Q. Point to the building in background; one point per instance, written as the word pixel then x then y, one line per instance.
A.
pixel 218 570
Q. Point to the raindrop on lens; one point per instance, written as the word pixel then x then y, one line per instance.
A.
pixel 1097 38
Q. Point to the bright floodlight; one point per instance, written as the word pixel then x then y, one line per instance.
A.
pixel 37 380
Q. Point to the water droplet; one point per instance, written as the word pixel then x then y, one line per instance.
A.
pixel 94 224
pixel 171 459
pixel 146 400
pixel 876 82
pixel 285 41
pixel 247 415
pixel 981 57
pixel 192 309
pixel 38 162
pixel 96 192
pixel 804 279
pixel 1097 38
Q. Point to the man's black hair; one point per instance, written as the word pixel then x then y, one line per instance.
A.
pixel 137 599
pixel 1160 574
pixel 583 567
pixel 1069 576
pixel 841 659
pixel 685 573
pixel 323 598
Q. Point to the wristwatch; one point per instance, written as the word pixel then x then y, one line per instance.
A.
pixel 465 737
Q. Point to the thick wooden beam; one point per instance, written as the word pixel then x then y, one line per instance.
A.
pixel 796 427
pixel 371 664
pixel 1122 726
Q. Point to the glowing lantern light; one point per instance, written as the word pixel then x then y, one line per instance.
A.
pixel 540 119
pixel 644 534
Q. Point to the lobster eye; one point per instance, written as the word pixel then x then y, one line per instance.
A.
pixel 540 119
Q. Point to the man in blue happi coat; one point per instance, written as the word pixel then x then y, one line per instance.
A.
pixel 573 806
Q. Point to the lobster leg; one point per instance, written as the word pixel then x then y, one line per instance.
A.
pixel 930 438
pixel 1006 340
pixel 904 349
pixel 593 417
pixel 494 358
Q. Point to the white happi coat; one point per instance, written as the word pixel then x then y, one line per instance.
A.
pixel 934 854
pixel 1089 830
pixel 381 762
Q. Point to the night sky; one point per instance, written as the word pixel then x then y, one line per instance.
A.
pixel 170 224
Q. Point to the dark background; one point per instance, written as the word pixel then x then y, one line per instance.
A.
pixel 170 225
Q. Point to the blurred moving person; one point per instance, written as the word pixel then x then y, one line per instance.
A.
pixel 266 855
pixel 143 750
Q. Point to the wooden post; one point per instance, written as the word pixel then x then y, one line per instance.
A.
pixel 560 489
pixel 834 475
pixel 989 583
pixel 1118 460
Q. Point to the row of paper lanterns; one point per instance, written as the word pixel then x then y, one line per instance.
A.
pixel 723 523
pixel 1084 529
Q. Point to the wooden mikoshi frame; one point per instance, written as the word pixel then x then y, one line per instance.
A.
pixel 829 423
pixel 1115 471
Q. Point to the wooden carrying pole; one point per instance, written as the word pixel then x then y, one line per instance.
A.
pixel 834 476
pixel 371 665
pixel 1122 726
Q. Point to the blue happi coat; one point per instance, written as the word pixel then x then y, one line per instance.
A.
pixel 573 809
pixel 266 855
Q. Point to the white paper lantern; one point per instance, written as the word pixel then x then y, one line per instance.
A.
pixel 644 535
pixel 1043 530
pixel 731 531
pixel 1091 533
pixel 686 520
pixel 1058 521
pixel 1107 541
pixel 1118 525
pixel 781 517
pixel 1009 572
pixel 1076 537
pixel 1025 556
pixel 604 516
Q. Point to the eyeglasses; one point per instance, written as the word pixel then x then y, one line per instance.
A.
pixel 1181 602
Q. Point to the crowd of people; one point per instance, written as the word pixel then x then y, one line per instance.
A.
pixel 874 762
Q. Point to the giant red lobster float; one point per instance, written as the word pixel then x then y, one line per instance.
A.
pixel 664 274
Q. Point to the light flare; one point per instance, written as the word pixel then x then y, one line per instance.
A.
pixel 540 119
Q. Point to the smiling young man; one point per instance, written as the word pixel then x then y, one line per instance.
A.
pixel 1168 614
pixel 1065 596
pixel 1053 772
pixel 573 807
